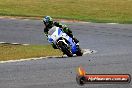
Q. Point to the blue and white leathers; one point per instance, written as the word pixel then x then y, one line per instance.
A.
pixel 55 35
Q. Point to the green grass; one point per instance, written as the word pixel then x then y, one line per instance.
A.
pixel 13 52
pixel 86 10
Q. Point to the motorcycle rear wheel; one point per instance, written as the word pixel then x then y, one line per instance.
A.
pixel 79 52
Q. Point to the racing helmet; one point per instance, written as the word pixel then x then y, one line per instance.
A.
pixel 48 21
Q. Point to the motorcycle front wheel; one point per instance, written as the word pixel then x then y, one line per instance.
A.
pixel 65 49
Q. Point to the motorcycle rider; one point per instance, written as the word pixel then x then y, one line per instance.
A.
pixel 48 22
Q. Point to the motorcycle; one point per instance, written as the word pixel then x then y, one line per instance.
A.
pixel 63 42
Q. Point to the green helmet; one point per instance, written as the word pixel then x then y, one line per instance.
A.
pixel 48 21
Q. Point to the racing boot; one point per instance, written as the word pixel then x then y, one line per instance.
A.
pixel 76 41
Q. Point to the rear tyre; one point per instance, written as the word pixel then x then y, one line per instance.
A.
pixel 79 52
pixel 65 49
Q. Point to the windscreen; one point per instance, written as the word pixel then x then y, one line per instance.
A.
pixel 52 30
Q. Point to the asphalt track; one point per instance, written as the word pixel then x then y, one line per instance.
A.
pixel 112 41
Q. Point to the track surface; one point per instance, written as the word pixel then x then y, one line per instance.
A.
pixel 113 43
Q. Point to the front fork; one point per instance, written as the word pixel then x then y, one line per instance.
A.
pixel 64 41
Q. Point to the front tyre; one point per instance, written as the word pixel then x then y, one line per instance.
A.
pixel 65 49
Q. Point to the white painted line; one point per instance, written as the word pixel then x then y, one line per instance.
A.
pixel 10 61
pixel 25 44
pixel 88 51
pixel 2 42
pixel 28 59
pixel 85 51
pixel 16 43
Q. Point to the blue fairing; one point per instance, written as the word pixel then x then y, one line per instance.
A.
pixel 59 31
pixel 74 49
pixel 50 40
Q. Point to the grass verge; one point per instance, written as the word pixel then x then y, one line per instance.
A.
pixel 14 52
pixel 87 10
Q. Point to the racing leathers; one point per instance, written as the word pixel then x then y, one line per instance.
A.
pixel 64 29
